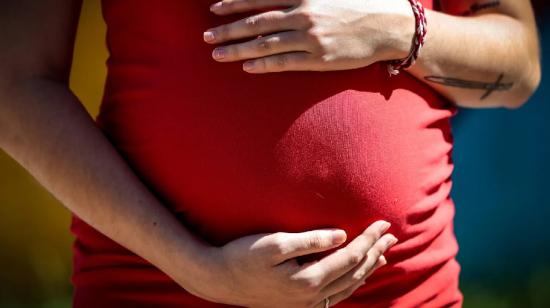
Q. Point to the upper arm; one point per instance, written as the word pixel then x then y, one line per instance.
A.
pixel 518 12
pixel 37 37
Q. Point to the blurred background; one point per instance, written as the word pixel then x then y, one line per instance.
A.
pixel 500 185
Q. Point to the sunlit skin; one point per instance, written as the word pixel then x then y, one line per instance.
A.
pixel 322 35
pixel 44 127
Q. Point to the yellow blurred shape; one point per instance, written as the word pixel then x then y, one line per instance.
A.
pixel 34 228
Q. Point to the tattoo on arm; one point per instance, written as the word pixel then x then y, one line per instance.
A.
pixel 476 7
pixel 489 88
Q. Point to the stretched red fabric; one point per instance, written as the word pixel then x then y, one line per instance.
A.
pixel 233 154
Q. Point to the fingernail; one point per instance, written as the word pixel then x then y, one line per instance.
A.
pixel 248 66
pixel 385 226
pixel 216 6
pixel 338 237
pixel 208 36
pixel 392 240
pixel 219 53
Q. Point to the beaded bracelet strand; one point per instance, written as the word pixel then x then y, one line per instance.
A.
pixel 394 66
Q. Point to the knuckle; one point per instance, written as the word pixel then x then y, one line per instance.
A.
pixel 253 23
pixel 314 34
pixel 310 44
pixel 314 240
pixel 314 37
pixel 304 17
pixel 310 283
pixel 326 58
pixel 273 247
pixel 354 257
pixel 278 243
pixel 313 286
pixel 281 62
pixel 262 63
pixel 358 276
pixel 264 45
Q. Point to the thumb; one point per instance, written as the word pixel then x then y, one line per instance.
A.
pixel 292 245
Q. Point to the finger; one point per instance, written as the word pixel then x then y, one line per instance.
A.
pixel 261 47
pixel 336 298
pixel 341 296
pixel 282 246
pixel 344 259
pixel 374 260
pixel 263 23
pixel 322 304
pixel 238 6
pixel 292 61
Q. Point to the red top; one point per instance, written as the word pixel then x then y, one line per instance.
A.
pixel 233 154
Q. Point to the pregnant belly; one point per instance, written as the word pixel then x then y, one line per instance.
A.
pixel 264 158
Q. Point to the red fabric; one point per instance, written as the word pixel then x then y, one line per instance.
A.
pixel 233 154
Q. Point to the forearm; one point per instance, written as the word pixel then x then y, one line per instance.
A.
pixel 489 60
pixel 46 129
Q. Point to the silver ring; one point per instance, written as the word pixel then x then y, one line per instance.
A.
pixel 327 302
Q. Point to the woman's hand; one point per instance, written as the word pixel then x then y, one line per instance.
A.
pixel 262 270
pixel 317 35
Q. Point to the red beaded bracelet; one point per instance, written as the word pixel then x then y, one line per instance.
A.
pixel 420 35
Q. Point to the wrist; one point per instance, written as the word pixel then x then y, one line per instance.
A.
pixel 205 275
pixel 401 28
pixel 189 261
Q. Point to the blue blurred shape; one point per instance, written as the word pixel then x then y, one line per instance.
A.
pixel 502 187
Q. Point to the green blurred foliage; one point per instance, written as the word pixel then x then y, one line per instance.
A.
pixel 531 289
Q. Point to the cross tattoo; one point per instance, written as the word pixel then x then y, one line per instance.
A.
pixel 498 85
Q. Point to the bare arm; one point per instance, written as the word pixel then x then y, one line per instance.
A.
pixel 481 53
pixel 489 58
pixel 45 128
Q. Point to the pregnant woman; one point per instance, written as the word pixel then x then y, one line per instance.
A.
pixel 255 153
